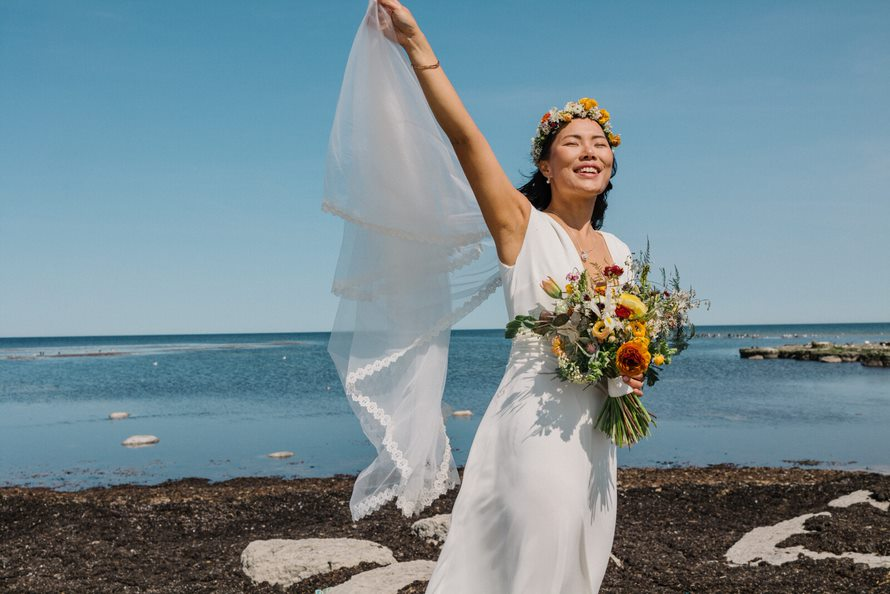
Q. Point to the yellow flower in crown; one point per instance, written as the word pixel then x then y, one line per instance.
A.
pixel 555 118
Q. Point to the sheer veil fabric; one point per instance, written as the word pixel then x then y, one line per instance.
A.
pixel 416 257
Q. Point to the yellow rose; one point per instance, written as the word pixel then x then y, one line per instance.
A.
pixel 658 359
pixel 633 303
pixel 604 116
pixel 587 103
pixel 600 332
pixel 570 289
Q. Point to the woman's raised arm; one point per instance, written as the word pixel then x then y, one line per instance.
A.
pixel 504 208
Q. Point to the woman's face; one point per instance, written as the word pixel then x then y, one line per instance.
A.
pixel 580 159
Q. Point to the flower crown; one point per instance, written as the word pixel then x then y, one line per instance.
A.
pixel 582 108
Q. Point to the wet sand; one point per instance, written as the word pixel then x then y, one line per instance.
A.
pixel 674 528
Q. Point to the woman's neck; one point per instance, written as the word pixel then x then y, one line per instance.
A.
pixel 575 214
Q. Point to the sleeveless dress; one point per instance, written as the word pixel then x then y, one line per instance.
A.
pixel 536 509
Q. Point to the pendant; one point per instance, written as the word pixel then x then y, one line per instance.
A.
pixel 583 256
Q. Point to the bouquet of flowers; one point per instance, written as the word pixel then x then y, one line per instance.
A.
pixel 609 329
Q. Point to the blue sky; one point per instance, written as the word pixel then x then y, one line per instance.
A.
pixel 161 162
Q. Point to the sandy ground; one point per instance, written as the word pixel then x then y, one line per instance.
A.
pixel 674 528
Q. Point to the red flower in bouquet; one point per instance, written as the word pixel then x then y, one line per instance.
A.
pixel 623 312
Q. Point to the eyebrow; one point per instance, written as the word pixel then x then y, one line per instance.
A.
pixel 578 136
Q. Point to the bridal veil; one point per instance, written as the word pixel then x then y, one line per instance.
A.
pixel 416 257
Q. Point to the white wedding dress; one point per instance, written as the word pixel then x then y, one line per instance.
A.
pixel 536 509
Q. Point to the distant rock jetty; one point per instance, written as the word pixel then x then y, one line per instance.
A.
pixel 868 354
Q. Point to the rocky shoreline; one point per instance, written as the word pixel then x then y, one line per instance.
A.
pixel 868 354
pixel 675 528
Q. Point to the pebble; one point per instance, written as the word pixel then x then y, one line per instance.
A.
pixel 282 454
pixel 116 416
pixel 135 441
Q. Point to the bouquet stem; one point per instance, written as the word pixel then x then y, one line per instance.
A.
pixel 625 420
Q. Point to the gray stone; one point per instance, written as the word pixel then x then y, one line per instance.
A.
pixel 433 530
pixel 831 359
pixel 286 562
pixel 386 580
pixel 136 441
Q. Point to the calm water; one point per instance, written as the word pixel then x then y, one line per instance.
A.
pixel 219 403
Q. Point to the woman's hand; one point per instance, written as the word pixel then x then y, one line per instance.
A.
pixel 635 382
pixel 405 27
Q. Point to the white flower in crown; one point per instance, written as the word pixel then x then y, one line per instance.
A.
pixel 554 118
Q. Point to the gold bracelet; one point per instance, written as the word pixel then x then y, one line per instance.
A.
pixel 436 65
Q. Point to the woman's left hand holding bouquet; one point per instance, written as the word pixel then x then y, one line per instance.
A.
pixel 635 382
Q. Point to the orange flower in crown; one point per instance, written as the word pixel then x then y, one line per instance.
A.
pixel 554 119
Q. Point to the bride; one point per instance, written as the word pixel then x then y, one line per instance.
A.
pixel 536 509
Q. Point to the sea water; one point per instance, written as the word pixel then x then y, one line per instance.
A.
pixel 220 403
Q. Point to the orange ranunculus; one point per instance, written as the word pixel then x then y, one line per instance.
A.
pixel 638 328
pixel 658 359
pixel 600 289
pixel 632 358
pixel 556 346
pixel 545 117
pixel 615 140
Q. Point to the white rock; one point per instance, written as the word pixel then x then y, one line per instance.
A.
pixel 755 358
pixel 434 529
pixel 859 497
pixel 462 413
pixel 286 562
pixel 116 416
pixel 135 441
pixel 761 544
pixel 283 454
pixel 386 580
pixel 831 359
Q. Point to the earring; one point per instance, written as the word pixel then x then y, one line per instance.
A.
pixel 548 180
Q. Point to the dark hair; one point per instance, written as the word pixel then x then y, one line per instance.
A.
pixel 537 190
